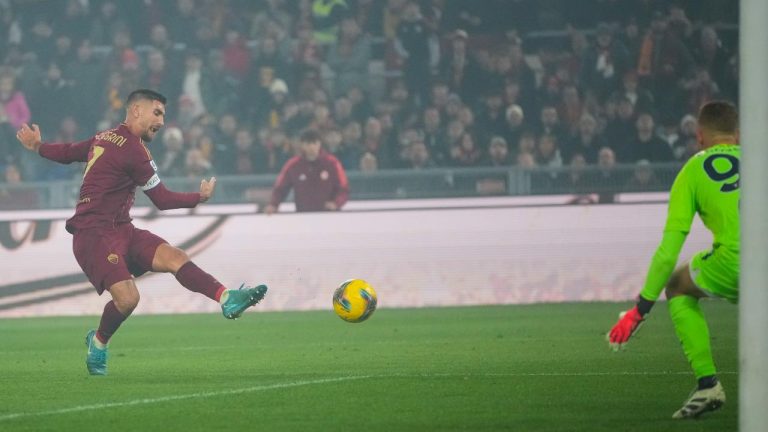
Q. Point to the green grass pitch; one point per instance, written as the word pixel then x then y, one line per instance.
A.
pixel 520 368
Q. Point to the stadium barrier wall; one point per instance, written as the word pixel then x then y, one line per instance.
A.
pixel 416 253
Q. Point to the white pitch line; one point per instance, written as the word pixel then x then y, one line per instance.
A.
pixel 148 401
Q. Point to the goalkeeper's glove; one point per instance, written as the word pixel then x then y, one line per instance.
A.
pixel 629 322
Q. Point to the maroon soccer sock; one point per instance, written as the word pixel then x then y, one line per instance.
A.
pixel 110 322
pixel 195 279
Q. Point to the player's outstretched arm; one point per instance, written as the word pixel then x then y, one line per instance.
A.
pixel 165 199
pixel 65 153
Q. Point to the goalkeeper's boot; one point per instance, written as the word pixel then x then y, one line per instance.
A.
pixel 701 401
pixel 237 301
pixel 96 360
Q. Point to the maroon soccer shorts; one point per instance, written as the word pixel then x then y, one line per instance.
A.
pixel 111 255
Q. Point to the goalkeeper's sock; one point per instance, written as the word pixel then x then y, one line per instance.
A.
pixel 195 279
pixel 111 319
pixel 692 330
pixel 707 382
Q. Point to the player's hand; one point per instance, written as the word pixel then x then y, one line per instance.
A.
pixel 206 189
pixel 30 137
pixel 270 209
pixel 627 325
pixel 330 206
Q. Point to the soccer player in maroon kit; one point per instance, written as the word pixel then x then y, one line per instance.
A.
pixel 109 249
pixel 316 176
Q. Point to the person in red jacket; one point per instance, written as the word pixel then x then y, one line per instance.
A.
pixel 316 177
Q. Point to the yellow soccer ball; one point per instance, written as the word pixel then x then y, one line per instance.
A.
pixel 354 300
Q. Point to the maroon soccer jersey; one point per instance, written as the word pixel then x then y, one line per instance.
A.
pixel 314 183
pixel 117 162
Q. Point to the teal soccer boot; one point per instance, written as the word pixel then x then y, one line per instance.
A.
pixel 241 299
pixel 96 360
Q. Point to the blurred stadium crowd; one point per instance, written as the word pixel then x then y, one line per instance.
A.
pixel 389 83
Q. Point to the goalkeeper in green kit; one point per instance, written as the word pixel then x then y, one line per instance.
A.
pixel 708 184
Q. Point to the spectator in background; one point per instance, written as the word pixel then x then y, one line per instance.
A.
pixel 53 87
pixel 321 119
pixel 418 156
pixel 183 27
pixel 368 163
pixel 268 66
pixel 349 57
pixel 571 109
pixel 160 40
pixel 194 84
pixel 87 76
pixel 272 113
pixel 587 142
pixel 196 164
pixel 374 142
pixel 712 56
pixel 604 63
pixel 641 99
pixel 687 132
pixel 498 153
pixel 159 76
pixel 460 70
pixel 643 178
pixel 434 137
pixel 273 14
pixel 101 26
pixel 351 145
pixel 577 179
pixel 619 132
pixel 316 177
pixel 40 40
pixel 247 159
pixel 492 119
pixel 64 55
pixel 172 157
pixel 511 67
pixel 235 55
pixel 466 153
pixel 223 136
pixel 418 48
pixel 550 123
pixel 646 144
pixel 664 60
pixel 607 177
pixel 16 197
pixel 342 112
pixel 326 15
pixel 698 90
pixel 13 112
pixel 548 156
pixel 526 143
pixel 515 123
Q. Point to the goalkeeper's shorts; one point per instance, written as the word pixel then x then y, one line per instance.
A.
pixel 716 272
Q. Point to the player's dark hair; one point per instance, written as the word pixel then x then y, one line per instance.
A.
pixel 719 116
pixel 310 136
pixel 144 94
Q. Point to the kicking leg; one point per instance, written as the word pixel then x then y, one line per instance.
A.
pixel 692 330
pixel 170 259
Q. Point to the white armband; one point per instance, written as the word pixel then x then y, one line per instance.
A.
pixel 152 182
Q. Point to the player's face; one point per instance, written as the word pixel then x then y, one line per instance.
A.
pixel 311 150
pixel 152 118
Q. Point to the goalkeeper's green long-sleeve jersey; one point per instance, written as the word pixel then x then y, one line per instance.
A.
pixel 708 185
